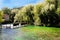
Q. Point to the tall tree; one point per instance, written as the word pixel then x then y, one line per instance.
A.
pixel 26 14
pixel 52 16
pixel 29 13
pixel 37 13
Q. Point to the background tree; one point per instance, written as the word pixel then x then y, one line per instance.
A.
pixel 7 11
pixel 1 16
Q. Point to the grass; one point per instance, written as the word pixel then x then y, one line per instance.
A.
pixel 40 33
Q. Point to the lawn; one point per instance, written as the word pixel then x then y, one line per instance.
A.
pixel 39 33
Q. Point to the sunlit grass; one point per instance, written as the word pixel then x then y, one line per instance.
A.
pixel 40 33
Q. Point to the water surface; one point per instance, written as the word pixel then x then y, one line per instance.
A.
pixel 10 34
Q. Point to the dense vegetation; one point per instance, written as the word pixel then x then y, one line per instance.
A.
pixel 44 14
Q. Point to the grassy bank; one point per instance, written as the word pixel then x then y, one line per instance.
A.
pixel 40 33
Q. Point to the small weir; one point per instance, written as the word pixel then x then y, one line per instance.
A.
pixel 10 26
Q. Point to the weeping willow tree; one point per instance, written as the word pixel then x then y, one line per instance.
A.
pixel 29 13
pixel 25 14
pixel 49 16
pixel 19 16
pixel 37 12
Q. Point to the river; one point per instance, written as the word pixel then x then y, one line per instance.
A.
pixel 10 34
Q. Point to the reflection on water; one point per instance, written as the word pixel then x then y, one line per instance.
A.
pixel 10 34
pixel 0 34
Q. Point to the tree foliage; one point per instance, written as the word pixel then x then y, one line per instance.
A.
pixel 6 10
pixel 46 14
pixel 40 14
pixel 25 14
pixel 1 16
pixel 37 13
